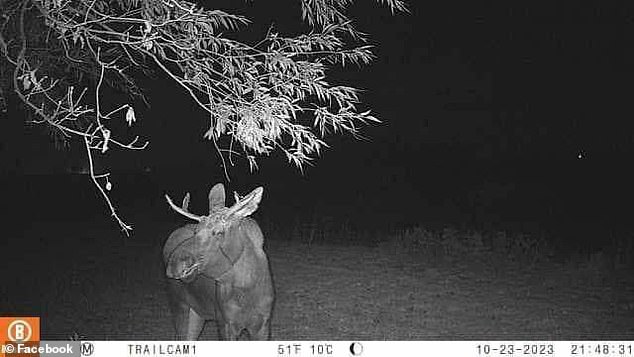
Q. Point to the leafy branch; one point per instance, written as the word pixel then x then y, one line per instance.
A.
pixel 262 96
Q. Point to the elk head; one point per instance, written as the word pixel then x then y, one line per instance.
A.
pixel 214 244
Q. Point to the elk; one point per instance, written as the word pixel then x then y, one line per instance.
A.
pixel 217 269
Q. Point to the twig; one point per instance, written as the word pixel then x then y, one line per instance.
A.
pixel 126 228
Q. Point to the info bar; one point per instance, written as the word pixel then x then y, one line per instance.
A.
pixel 357 348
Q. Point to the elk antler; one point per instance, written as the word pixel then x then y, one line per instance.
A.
pixel 246 205
pixel 185 204
pixel 183 211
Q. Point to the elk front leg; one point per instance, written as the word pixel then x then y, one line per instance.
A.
pixel 261 331
pixel 230 331
pixel 188 323
pixel 194 326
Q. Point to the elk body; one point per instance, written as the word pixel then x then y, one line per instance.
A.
pixel 217 270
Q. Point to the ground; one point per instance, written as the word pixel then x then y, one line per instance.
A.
pixel 86 280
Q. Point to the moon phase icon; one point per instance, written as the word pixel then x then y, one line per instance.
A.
pixel 356 349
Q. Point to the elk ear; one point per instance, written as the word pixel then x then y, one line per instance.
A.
pixel 216 198
pixel 247 205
